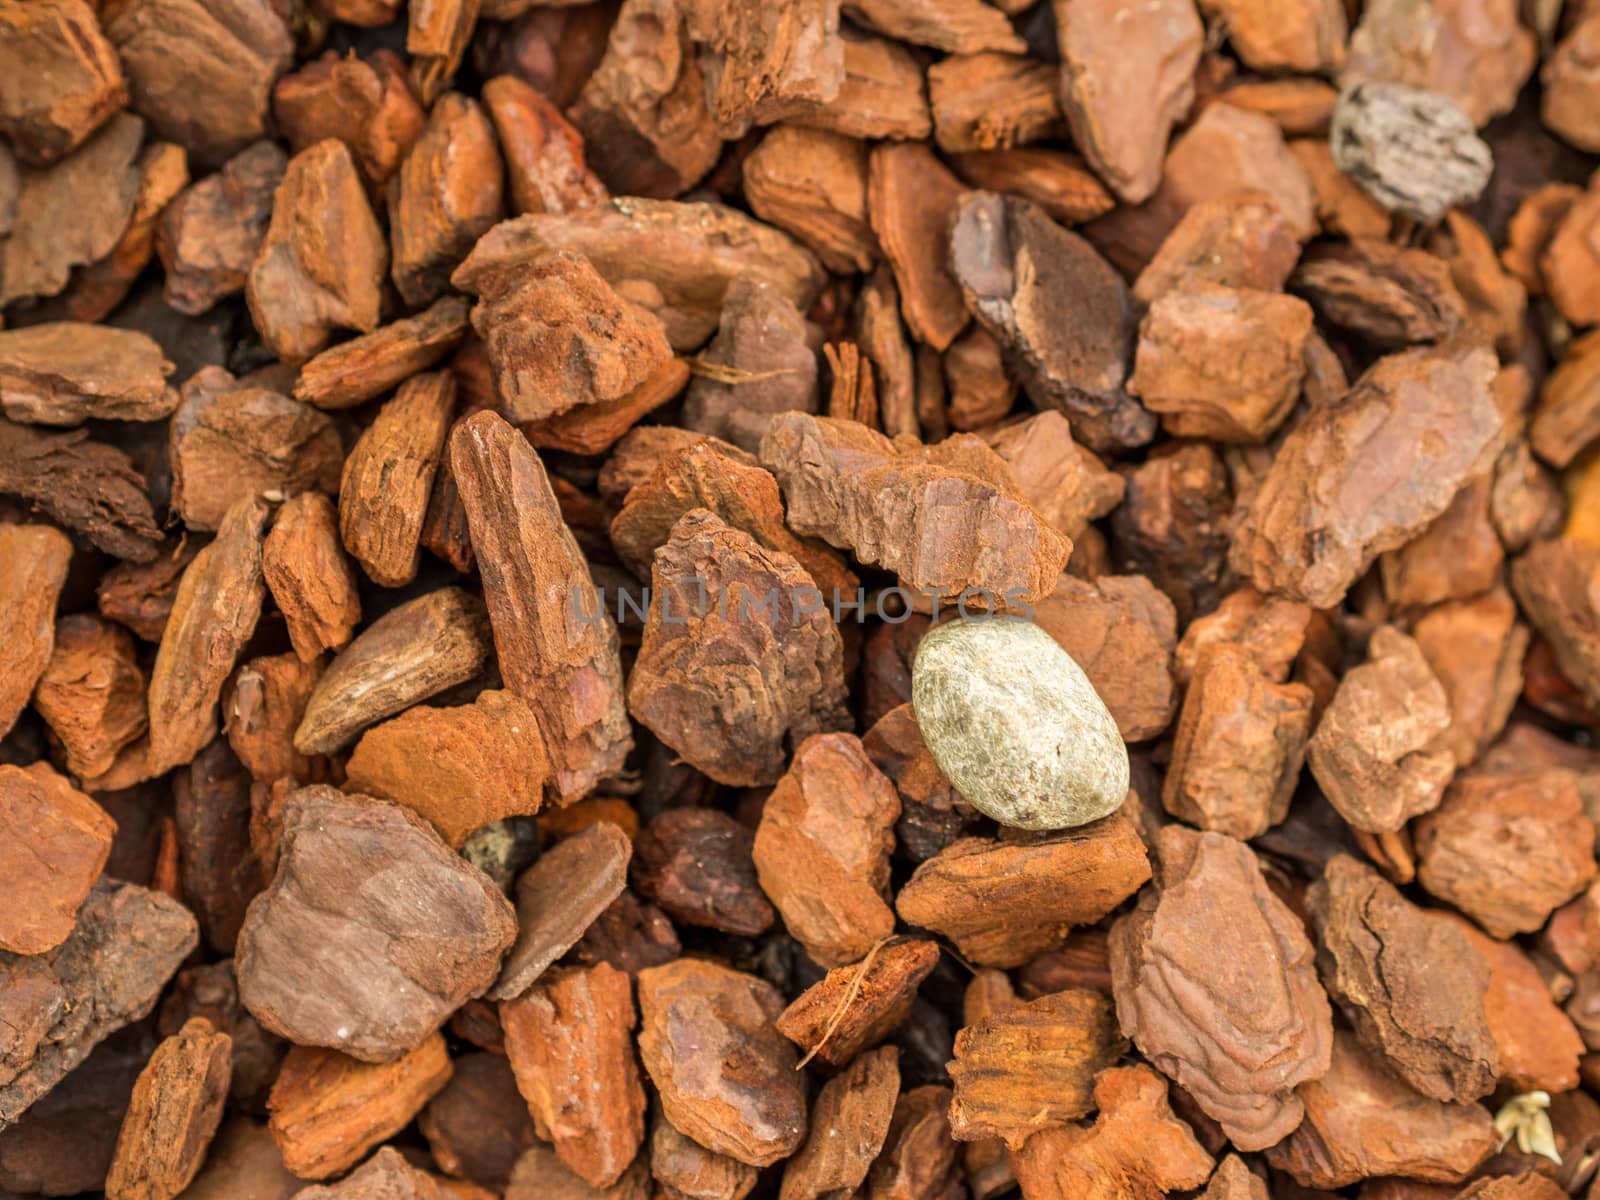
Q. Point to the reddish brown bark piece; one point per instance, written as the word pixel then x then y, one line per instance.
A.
pixel 1214 983
pixel 477 1126
pixel 570 1042
pixel 461 768
pixel 911 198
pixel 1567 417
pixel 559 897
pixel 723 607
pixel 918 1161
pixel 1378 753
pixel 228 443
pixel 1301 537
pixel 1395 297
pixel 991 101
pixel 322 263
pixel 822 849
pixel 139 595
pixel 1475 648
pixel 695 864
pixel 683 1169
pixel 218 867
pixel 630 934
pixel 366 104
pixel 540 1175
pixel 543 153
pixel 367 972
pixel 1306 36
pixel 1002 903
pixel 410 653
pixel 1059 183
pixel 933 815
pixel 1121 630
pixel 1014 265
pixel 763 64
pixel 1457 556
pixel 1362 1121
pixel 1570 84
pixel 209 235
pixel 1507 850
pixel 595 428
pixel 1032 1066
pixel 1066 482
pixel 29 590
pixel 725 1075
pixel 388 476
pixel 1558 585
pixel 213 617
pixel 1240 743
pixel 309 576
pixel 60 1005
pixel 74 78
pixel 1125 82
pixel 66 372
pixel 813 184
pixel 202 74
pixel 1136 1147
pixel 1568 263
pixel 437 33
pixel 557 649
pixel 91 693
pixel 644 109
pixel 328 1109
pixel 1409 981
pixel 882 95
pixel 176 1108
pixel 855 489
pixel 87 486
pixel 446 196
pixel 100 182
pixel 559 337
pixel 1273 631
pixel 854 1007
pixel 677 257
pixel 959 26
pixel 243 1162
pixel 366 367
pixel 1241 240
pixel 1221 363
pixel 848 1125
pixel 54 842
pixel 384 1176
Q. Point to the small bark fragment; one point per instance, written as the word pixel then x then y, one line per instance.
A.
pixel 461 768
pixel 882 95
pixel 1410 982
pixel 437 34
pixel 1394 297
pixel 595 428
pixel 477 1126
pixel 992 101
pixel 209 235
pixel 311 580
pixel 557 650
pixel 1067 483
pixel 1307 36
pixel 540 1175
pixel 918 1161
pixel 38 558
pixel 1571 87
pixel 139 595
pixel 725 1075
pixel 1180 963
pixel 848 1125
pixel 1558 585
pixel 570 1042
pixel 1458 556
pixel 388 476
pixel 261 708
pixel 957 26
pixel 54 842
pixel 630 934
pixel 66 372
pixel 911 197
pixel 364 103
pixel 695 864
pixel 764 64
pixel 328 1109
pixel 445 197
pixel 175 1110
pixel 365 367
pixel 543 152
pixel 813 184
pixel 74 78
pixel 685 1170
pixel 384 1176
pixel 91 692
pixel 1475 648
pixel 1003 903
pixel 822 849
pixel 725 607
pixel 933 815
pixel 213 617
pixel 218 868
pixel 322 263
pixel 854 1007
pixel 1059 183
pixel 370 973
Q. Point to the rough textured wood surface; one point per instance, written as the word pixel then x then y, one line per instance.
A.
pixel 29 592
pixel 176 1108
pixel 311 580
pixel 65 372
pixel 54 841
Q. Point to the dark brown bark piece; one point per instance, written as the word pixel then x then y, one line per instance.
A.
pixel 209 235
pixel 849 1122
pixel 217 864
pixel 66 372
pixel 54 841
pixel 60 1005
pixel 695 864
pixel 369 973
pixel 725 606
pixel 557 649
pixel 725 1075
pixel 1003 903
pixel 328 1109
pixel 1014 266
pixel 213 617
pixel 570 1042
pixel 88 486
pixel 365 103
pixel 1214 982
pixel 477 1126
pixel 176 1108
pixel 559 897
pixel 918 1161
pixel 311 580
pixel 911 198
pixel 410 653
pixel 1410 982
pixel 30 588
pixel 540 1175
pixel 543 152
pixel 856 1006
pixel 629 934
pixel 74 78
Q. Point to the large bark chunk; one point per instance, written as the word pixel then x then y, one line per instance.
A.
pixel 848 1125
pixel 1367 474
pixel 54 841
pixel 371 971
pixel 63 78
pixel 725 1074
pixel 543 153
pixel 1214 983
pixel 813 183
pixel 1003 903
pixel 175 1110
pixel 37 559
pixel 65 373
pixel 739 660
pixel 59 1006
pixel 557 650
